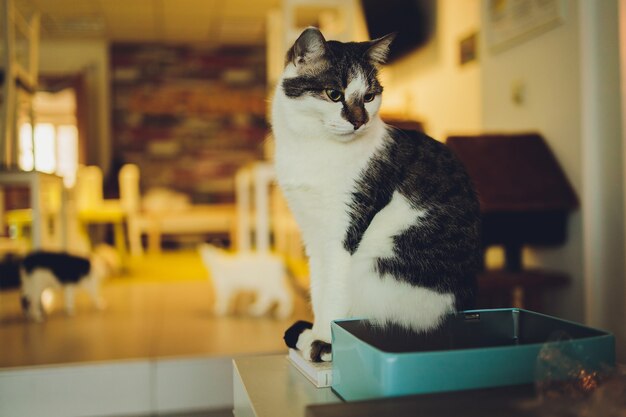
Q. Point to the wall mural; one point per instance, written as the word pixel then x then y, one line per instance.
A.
pixel 189 118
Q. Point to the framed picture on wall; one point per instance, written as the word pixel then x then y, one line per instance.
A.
pixel 510 22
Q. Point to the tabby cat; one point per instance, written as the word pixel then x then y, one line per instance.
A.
pixel 389 219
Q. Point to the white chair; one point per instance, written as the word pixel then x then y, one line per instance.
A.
pixel 130 200
pixel 262 212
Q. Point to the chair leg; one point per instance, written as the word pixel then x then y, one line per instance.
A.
pixel 154 239
pixel 120 240
pixel 134 238
pixel 83 231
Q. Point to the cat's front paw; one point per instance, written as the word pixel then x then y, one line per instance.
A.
pixel 300 336
pixel 318 351
pixel 292 334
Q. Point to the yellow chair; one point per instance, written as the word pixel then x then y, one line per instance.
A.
pixel 18 240
pixel 92 208
pixel 19 220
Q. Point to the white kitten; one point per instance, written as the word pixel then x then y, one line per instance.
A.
pixel 262 273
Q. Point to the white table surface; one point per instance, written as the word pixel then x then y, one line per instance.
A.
pixel 269 386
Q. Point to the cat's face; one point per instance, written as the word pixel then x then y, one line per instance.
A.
pixel 333 85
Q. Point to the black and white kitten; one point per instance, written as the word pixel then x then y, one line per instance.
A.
pixel 41 270
pixel 389 219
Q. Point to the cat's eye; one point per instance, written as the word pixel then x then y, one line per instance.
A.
pixel 369 97
pixel 334 95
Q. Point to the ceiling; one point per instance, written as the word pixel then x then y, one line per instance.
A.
pixel 210 22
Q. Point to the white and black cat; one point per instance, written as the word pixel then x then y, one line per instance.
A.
pixel 40 270
pixel 390 219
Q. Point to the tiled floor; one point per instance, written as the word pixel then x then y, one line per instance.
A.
pixel 161 309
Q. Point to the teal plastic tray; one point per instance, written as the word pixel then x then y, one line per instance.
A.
pixel 472 349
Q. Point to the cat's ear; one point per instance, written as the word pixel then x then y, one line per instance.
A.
pixel 308 48
pixel 379 49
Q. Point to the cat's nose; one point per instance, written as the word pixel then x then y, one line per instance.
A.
pixel 356 114
pixel 358 123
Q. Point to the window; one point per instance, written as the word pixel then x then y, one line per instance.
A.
pixel 54 147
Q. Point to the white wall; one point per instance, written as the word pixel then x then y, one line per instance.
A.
pixel 430 85
pixel 90 58
pixel 571 78
pixel 603 170
pixel 547 68
pixel 622 55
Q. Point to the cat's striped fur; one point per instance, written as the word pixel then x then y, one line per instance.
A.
pixel 389 219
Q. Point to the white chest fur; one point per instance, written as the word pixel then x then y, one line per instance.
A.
pixel 317 172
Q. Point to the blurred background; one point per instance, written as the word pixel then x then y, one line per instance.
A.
pixel 143 125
